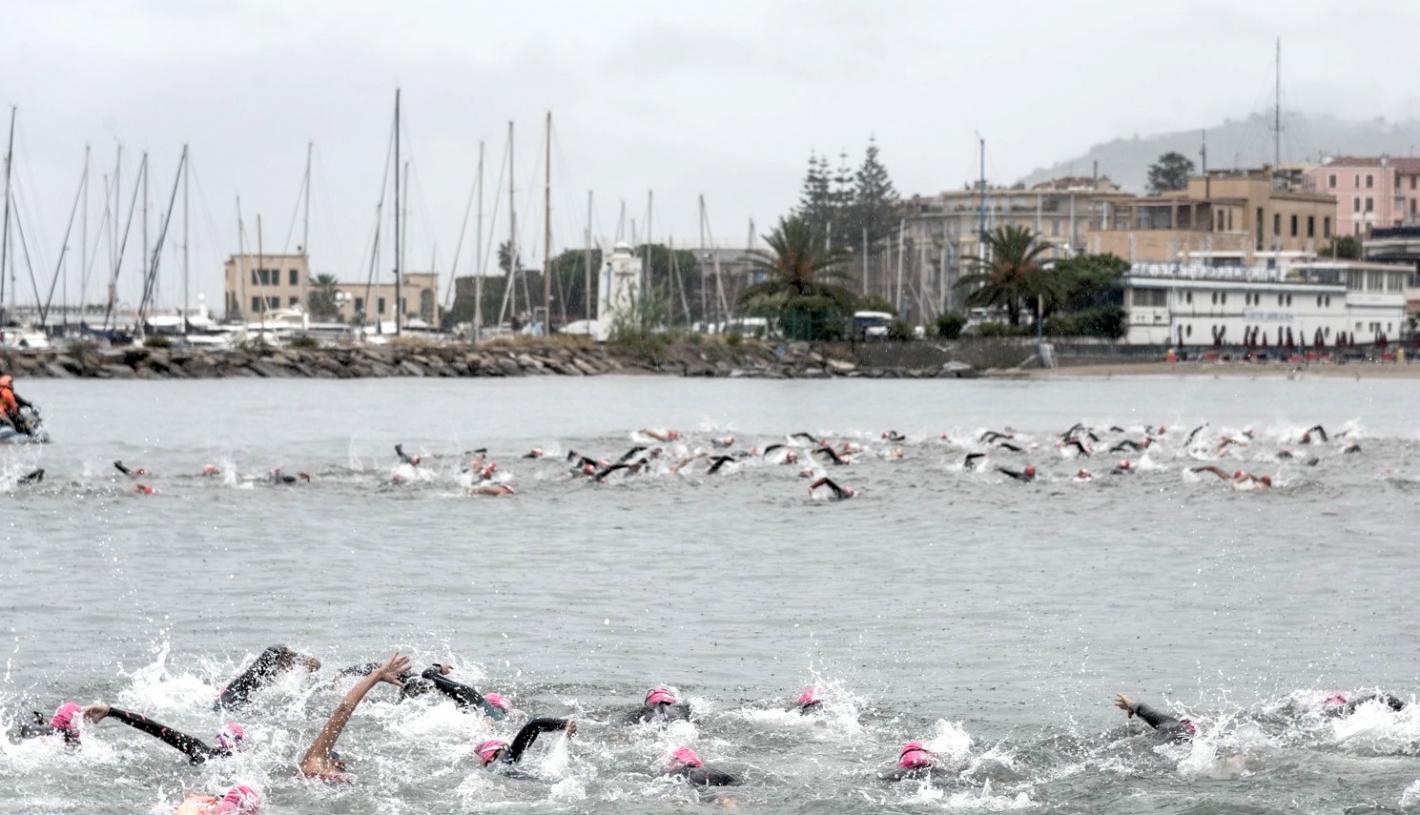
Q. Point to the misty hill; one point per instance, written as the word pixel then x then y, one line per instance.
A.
pixel 1243 143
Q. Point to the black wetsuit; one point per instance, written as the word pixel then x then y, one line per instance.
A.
pixel 1079 446
pixel 406 458
pixel 118 465
pixel 664 712
pixel 717 462
pixel 1019 476
pixel 705 777
pixel 197 751
pixel 260 672
pixel 1351 704
pixel 1005 445
pixel 1166 727
pixel 38 726
pixel 525 738
pixel 32 477
pixel 1194 433
pixel 465 696
pixel 971 459
pixel 831 453
pixel 1127 444
pixel 804 436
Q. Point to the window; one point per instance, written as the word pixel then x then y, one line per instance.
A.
pixel 1294 228
pixel 1188 296
pixel 1331 181
pixel 255 305
pixel 253 277
pixel 359 304
pixel 1356 181
pixel 1311 226
pixel 1326 226
pixel 1412 182
pixel 1356 204
pixel 1279 299
pixel 273 303
pixel 1370 181
pixel 1220 221
pixel 1412 204
pixel 1318 301
pixel 1152 298
pixel 381 304
pixel 295 278
pixel 291 303
pixel 1224 298
pixel 1328 301
pixel 1215 298
pixel 1189 330
pixel 1370 205
pixel 1276 223
pixel 1289 300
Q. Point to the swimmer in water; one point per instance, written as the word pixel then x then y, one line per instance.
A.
pixel 1237 478
pixel 724 442
pixel 717 462
pixel 1193 434
pixel 280 478
pixel 684 763
pixel 1124 467
pixel 536 452
pixel 661 435
pixel 239 800
pixel 1339 705
pixel 210 470
pixel 499 752
pixel 809 702
pixel 971 460
pixel 275 660
pixel 1166 727
pixel 991 436
pixel 1027 475
pixel 893 436
pixel 914 761
pixel 31 477
pixel 196 750
pixel 493 705
pixel 1353 447
pixel 832 455
pixel 1317 429
pixel 838 493
pixel 1080 448
pixel 660 705
pixel 494 490
pixel 321 762
pixel 1130 444
pixel 807 438
pixel 131 473
pixel 64 722
pixel 1005 445
pixel 412 461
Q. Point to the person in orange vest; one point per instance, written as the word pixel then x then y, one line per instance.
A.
pixel 10 404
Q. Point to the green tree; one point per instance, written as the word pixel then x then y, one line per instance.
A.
pixel 875 200
pixel 801 289
pixel 1088 281
pixel 1011 276
pixel 321 300
pixel 1344 247
pixel 1169 173
pixel 816 205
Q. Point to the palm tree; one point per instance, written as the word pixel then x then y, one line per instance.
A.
pixel 321 299
pixel 1011 275
pixel 801 286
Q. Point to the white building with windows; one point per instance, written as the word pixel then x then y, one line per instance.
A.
pixel 1299 303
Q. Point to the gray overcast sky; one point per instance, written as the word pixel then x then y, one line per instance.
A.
pixel 722 98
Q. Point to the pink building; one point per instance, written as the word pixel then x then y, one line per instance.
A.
pixel 1370 192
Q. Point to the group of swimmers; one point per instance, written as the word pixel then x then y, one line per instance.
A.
pixel 322 762
pixel 669 452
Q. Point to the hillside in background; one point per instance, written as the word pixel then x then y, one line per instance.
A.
pixel 1243 143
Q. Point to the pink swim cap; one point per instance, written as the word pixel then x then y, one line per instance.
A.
pixel 809 697
pixel 1030 470
pixel 1189 726
pixel 488 750
pixel 914 756
pixel 1334 700
pixel 684 757
pixel 63 718
pixel 660 696
pixel 231 736
pixel 497 700
pixel 240 799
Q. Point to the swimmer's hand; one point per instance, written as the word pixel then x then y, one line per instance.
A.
pixel 444 668
pixel 95 713
pixel 571 728
pixel 391 669
pixel 312 664
pixel 1124 703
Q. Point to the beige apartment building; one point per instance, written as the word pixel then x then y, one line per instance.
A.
pixel 1226 217
pixel 264 283
pixel 258 285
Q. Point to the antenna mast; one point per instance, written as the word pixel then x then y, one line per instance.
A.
pixel 397 287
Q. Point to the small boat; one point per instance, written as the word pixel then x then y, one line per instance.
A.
pixel 31 422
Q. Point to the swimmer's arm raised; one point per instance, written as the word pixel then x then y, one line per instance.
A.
pixel 317 759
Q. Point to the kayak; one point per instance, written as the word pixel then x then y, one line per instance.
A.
pixel 37 434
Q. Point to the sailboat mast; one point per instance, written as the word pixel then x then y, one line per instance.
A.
pixel 83 243
pixel 306 227
pixel 512 228
pixel 587 266
pixel 5 240
pixel 1277 112
pixel 547 231
pixel 186 255
pixel 398 289
pixel 704 274
pixel 478 257
pixel 143 264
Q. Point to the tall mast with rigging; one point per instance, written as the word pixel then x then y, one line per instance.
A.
pixel 398 287
pixel 5 240
pixel 547 231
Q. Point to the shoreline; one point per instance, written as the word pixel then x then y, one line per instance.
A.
pixel 1352 370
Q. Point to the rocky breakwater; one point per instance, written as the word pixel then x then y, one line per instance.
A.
pixel 705 357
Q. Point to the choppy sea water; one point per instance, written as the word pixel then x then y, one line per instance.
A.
pixel 994 620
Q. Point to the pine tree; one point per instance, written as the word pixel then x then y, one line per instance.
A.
pixel 842 195
pixel 875 198
pixel 816 195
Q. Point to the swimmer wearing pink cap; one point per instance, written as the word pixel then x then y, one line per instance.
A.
pixel 197 751
pixel 660 705
pixel 914 760
pixel 239 800
pixel 1166 727
pixel 684 763
pixel 465 696
pixel 497 750
pixel 809 701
